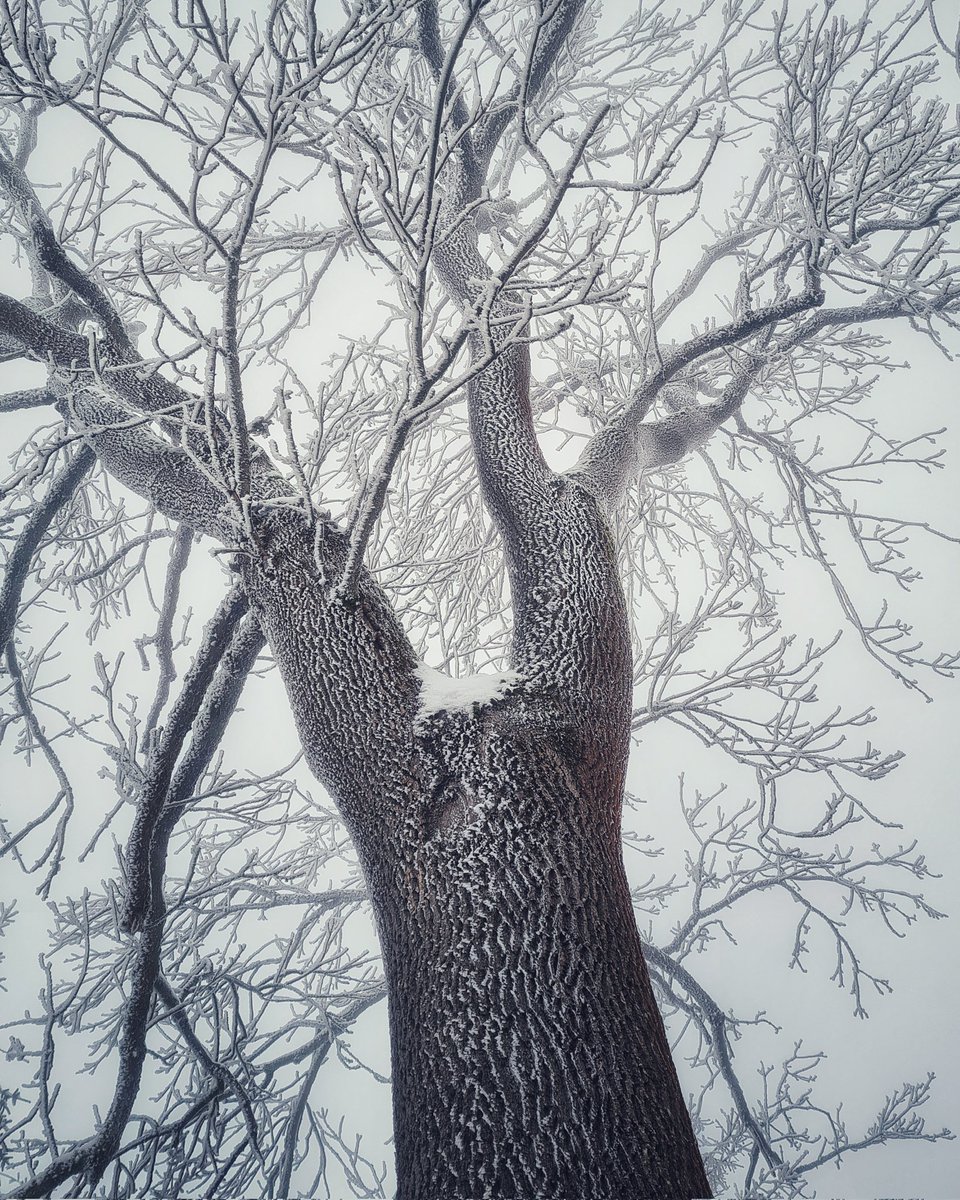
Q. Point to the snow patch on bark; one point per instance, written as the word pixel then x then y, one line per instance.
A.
pixel 443 693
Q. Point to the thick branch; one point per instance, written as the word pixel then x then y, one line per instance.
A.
pixel 167 476
pixel 618 452
pixel 181 481
pixel 166 749
pixel 18 565
pixel 549 39
pixel 512 468
pixel 658 443
pixel 38 337
pixel 51 257
pixel 27 398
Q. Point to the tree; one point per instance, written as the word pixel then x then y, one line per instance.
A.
pixel 519 187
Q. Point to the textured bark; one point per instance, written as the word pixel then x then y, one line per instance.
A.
pixel 529 1057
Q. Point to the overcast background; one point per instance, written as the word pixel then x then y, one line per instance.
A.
pixel 908 1033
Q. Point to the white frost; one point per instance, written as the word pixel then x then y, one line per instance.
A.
pixel 443 693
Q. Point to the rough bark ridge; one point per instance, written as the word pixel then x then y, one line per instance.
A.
pixel 529 1058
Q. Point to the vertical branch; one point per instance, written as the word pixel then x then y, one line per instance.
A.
pixel 163 638
pixel 233 379
pixel 165 751
pixel 61 492
pixel 54 849
pixel 211 691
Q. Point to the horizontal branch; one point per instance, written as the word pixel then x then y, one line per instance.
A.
pixel 28 398
pixel 629 445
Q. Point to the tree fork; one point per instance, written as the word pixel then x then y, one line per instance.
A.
pixel 529 1057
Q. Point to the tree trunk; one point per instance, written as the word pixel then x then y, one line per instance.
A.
pixel 529 1057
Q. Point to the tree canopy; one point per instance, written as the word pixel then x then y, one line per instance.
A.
pixel 254 258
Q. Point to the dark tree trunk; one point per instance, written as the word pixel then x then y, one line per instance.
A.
pixel 529 1057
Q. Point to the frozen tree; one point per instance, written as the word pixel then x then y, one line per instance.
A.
pixel 491 375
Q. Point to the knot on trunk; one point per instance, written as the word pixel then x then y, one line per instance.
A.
pixel 457 744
